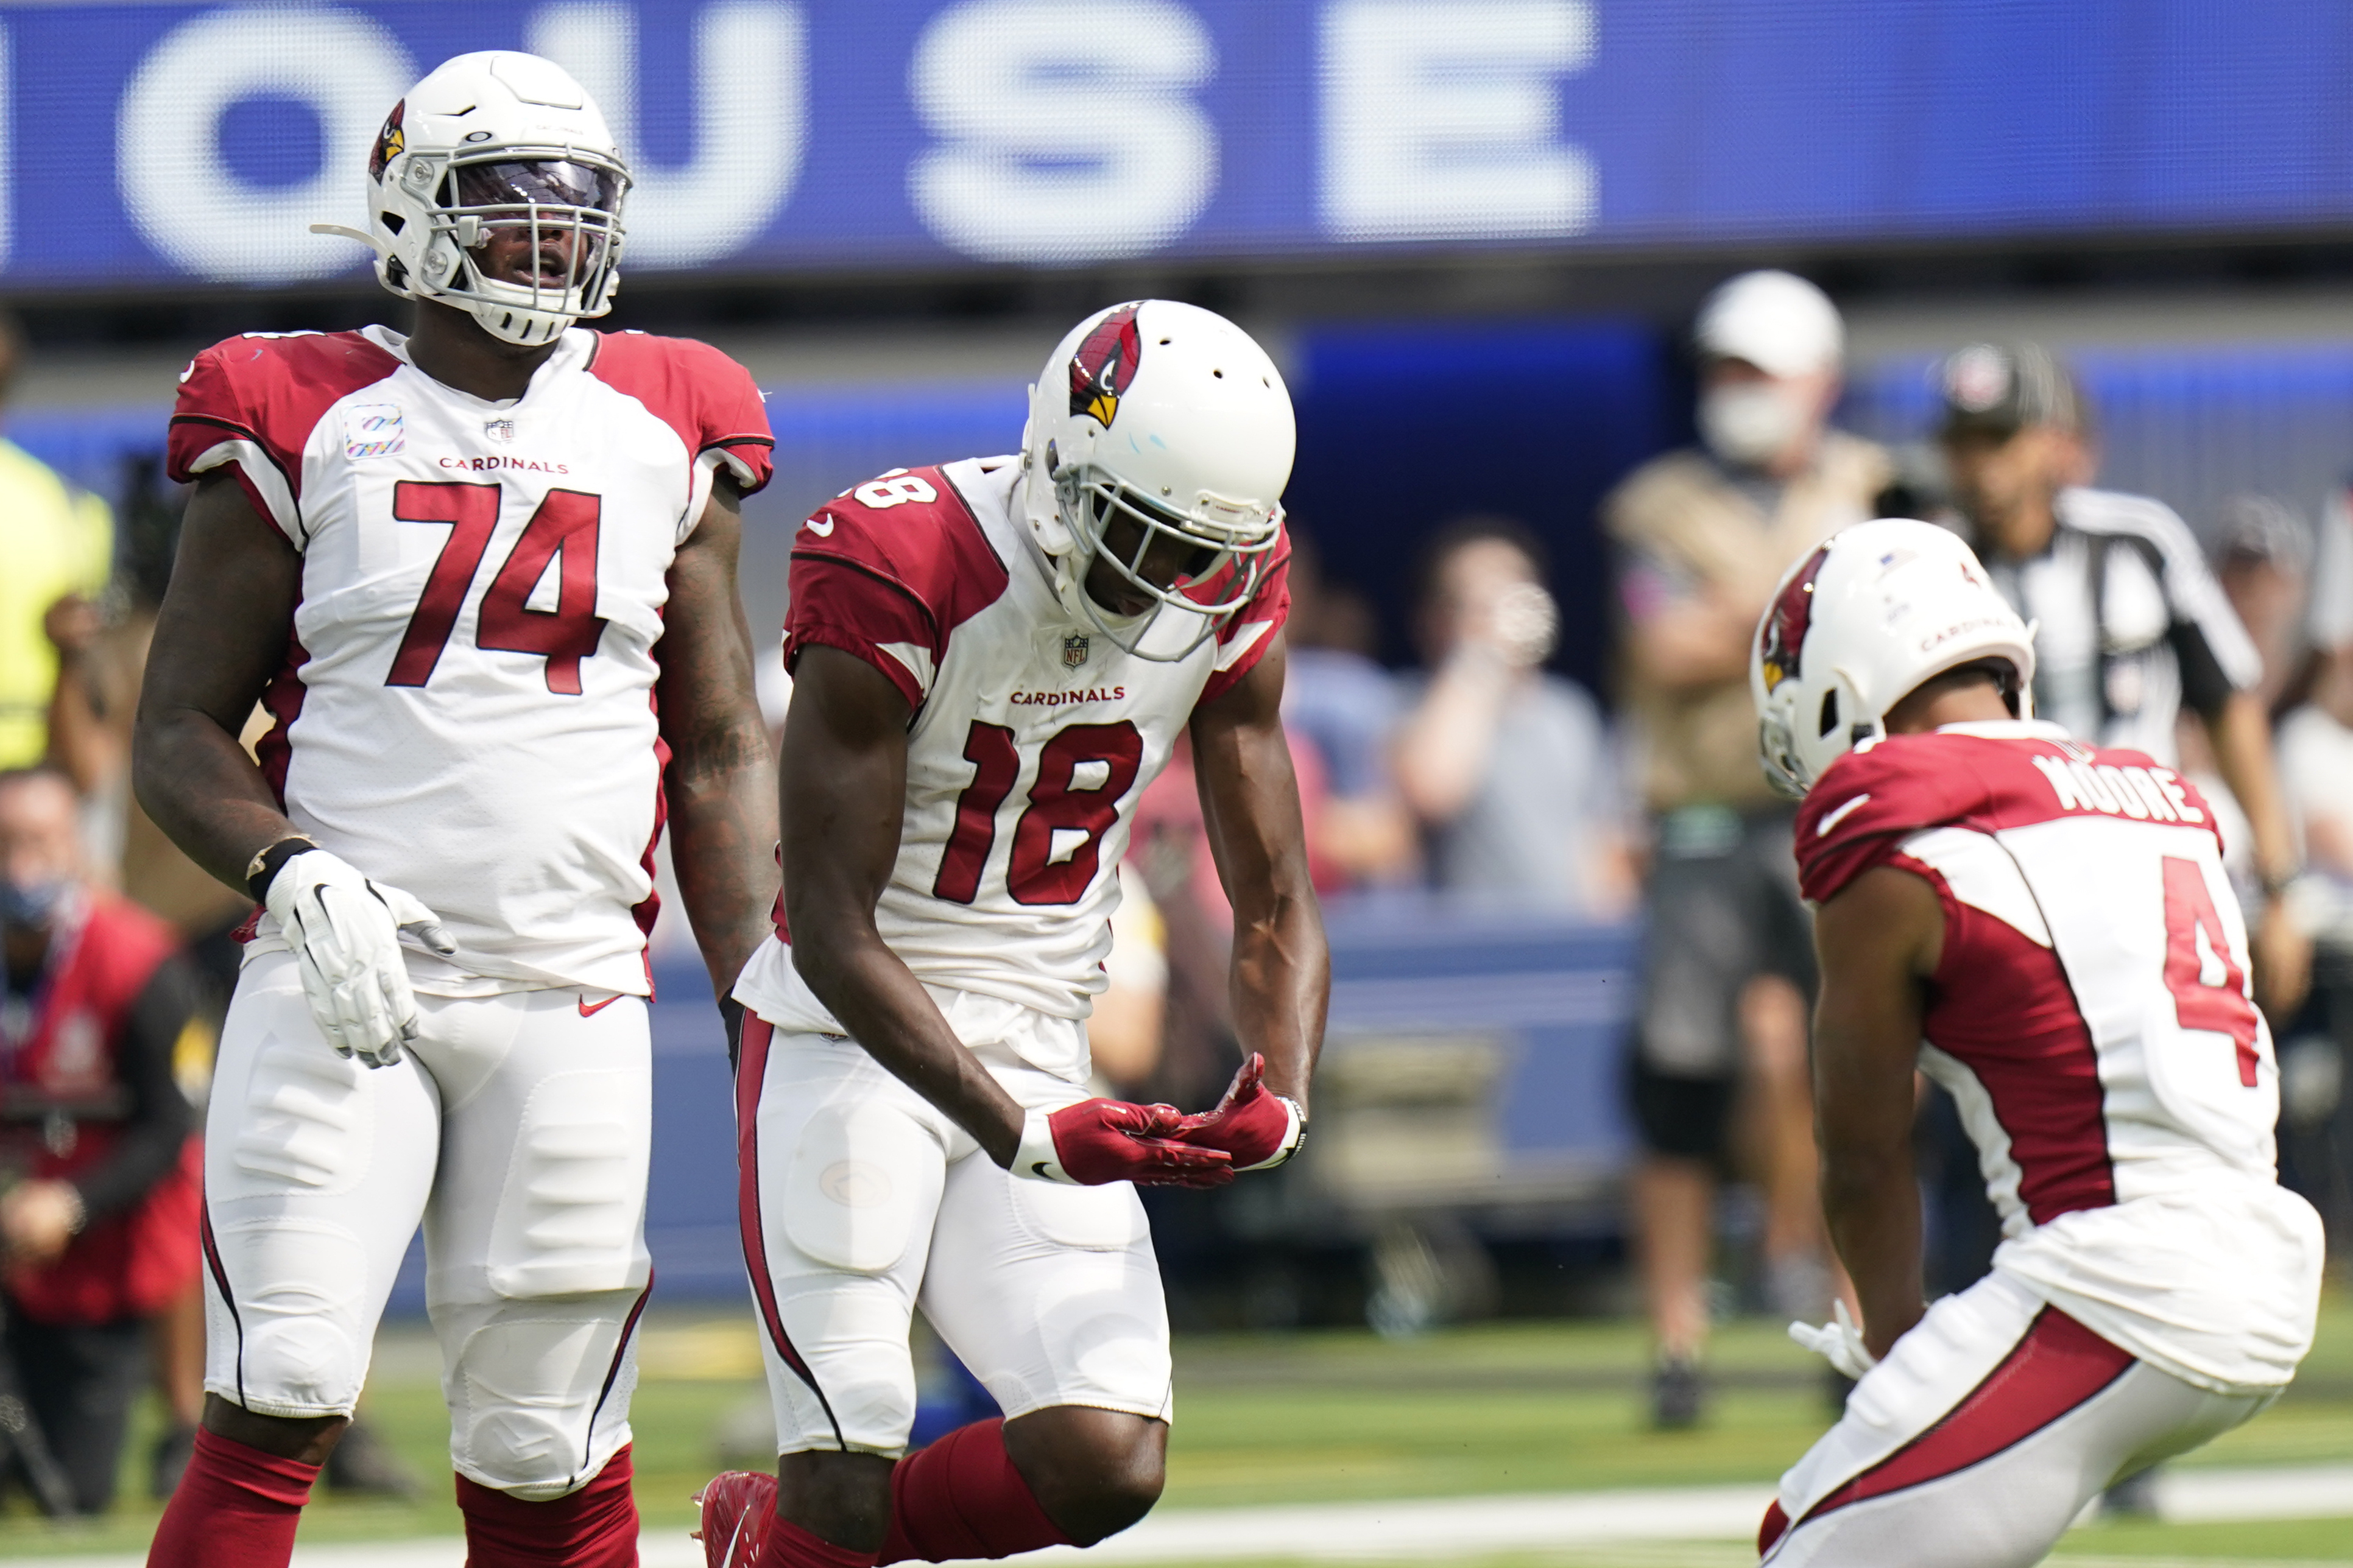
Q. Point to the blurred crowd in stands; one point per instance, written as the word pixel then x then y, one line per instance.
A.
pixel 1482 776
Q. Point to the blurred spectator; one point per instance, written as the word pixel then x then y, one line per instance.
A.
pixel 1124 1032
pixel 2263 560
pixel 56 549
pixel 1510 769
pixel 2132 627
pixel 101 662
pixel 2316 754
pixel 1702 538
pixel 1340 702
pixel 98 1168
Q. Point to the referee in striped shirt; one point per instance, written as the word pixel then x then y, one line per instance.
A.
pixel 2132 626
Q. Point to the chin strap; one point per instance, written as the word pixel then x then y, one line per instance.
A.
pixel 371 241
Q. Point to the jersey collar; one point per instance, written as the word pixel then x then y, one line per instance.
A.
pixel 572 350
pixel 2007 730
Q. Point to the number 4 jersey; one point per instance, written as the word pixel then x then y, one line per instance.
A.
pixel 1032 739
pixel 466 709
pixel 2091 1017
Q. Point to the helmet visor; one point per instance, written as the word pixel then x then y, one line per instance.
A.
pixel 542 224
pixel 538 181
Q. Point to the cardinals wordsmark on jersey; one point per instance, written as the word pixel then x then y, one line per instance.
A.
pixel 1032 738
pixel 2091 1016
pixel 467 706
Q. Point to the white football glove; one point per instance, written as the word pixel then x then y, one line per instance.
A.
pixel 1839 1341
pixel 345 931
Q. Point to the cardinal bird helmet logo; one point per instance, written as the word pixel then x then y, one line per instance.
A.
pixel 1793 612
pixel 390 142
pixel 1105 365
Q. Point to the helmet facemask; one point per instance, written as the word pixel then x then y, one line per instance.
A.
pixel 559 205
pixel 1224 548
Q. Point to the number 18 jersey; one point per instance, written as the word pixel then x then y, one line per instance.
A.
pixel 2091 1016
pixel 466 709
pixel 1032 737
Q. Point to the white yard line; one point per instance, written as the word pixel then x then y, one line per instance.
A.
pixel 1454 1529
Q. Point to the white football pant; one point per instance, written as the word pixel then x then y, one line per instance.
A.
pixel 1982 1437
pixel 518 1132
pixel 862 1201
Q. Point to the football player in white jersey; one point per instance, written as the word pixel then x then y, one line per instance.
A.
pixel 992 659
pixel 482 577
pixel 2044 927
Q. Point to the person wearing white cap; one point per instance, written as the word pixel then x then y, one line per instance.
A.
pixel 1701 537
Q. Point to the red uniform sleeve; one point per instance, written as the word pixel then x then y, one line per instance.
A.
pixel 250 405
pixel 1245 638
pixel 1867 803
pixel 837 604
pixel 699 393
pixel 887 572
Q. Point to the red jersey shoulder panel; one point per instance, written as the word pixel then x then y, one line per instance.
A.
pixel 1243 640
pixel 1868 801
pixel 705 396
pixel 887 571
pixel 252 402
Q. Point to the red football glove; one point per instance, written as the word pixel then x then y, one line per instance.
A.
pixel 1261 1130
pixel 1100 1140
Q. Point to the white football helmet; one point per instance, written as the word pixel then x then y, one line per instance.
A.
pixel 1170 415
pixel 495 152
pixel 1856 626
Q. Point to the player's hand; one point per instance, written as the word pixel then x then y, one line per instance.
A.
pixel 2283 955
pixel 345 934
pixel 1100 1140
pixel 1257 1127
pixel 1838 1342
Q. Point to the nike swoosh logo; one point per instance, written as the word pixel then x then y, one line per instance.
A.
pixel 821 526
pixel 1038 1169
pixel 588 1012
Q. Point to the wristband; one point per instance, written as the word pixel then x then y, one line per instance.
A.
pixel 1037 1158
pixel 1293 1138
pixel 2279 887
pixel 263 868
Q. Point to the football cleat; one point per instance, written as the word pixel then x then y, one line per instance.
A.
pixel 736 1506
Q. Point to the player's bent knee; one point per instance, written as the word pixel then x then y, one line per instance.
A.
pixel 1095 1472
pixel 539 1399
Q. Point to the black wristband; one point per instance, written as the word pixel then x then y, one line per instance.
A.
pixel 267 864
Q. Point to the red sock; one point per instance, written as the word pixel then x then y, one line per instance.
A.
pixel 961 1497
pixel 234 1506
pixel 595 1527
pixel 787 1545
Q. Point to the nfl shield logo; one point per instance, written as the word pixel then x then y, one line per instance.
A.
pixel 1074 650
pixel 500 429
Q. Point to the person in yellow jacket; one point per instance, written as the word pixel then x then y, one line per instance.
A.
pixel 56 547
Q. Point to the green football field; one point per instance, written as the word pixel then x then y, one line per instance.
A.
pixel 1331 1416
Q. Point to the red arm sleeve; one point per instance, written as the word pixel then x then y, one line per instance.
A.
pixel 890 581
pixel 215 426
pixel 1866 803
pixel 839 603
pixel 698 392
pixel 252 404
pixel 734 420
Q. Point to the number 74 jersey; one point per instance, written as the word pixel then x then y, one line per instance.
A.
pixel 466 709
pixel 2091 1015
pixel 1032 737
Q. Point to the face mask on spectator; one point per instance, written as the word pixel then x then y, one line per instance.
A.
pixel 31 903
pixel 1752 423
